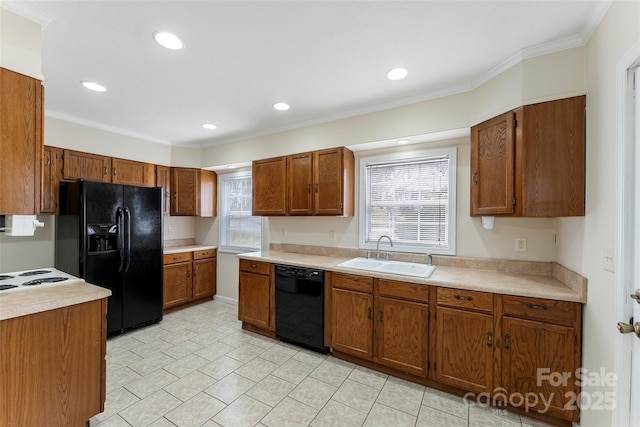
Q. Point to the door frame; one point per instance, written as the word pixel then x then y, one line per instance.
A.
pixel 625 202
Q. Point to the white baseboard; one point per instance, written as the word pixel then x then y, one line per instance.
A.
pixel 228 300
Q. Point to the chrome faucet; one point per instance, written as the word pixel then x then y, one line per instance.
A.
pixel 378 246
pixel 430 259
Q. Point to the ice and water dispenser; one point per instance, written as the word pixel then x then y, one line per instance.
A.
pixel 102 237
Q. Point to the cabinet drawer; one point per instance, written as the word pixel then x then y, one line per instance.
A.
pixel 391 288
pixel 474 300
pixel 258 267
pixel 178 257
pixel 560 312
pixel 352 281
pixel 208 253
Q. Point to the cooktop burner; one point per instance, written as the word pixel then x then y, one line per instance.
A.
pixel 5 276
pixel 35 272
pixel 3 287
pixel 44 280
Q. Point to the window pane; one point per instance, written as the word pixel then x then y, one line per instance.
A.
pixel 238 229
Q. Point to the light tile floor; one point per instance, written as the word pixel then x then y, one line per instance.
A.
pixel 199 368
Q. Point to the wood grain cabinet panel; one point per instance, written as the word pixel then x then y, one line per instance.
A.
pixel 352 322
pixel 204 278
pixel 21 143
pixel 300 184
pixel 401 334
pixel 53 366
pixel 130 172
pixel 269 181
pixel 333 182
pixel 254 300
pixel 464 349
pixel 178 284
pixel 530 161
pixel 80 165
pixel 184 184
pixel 163 180
pixel 51 175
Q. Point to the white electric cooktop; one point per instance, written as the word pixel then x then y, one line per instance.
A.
pixel 26 279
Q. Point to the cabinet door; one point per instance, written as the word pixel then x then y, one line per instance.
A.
pixel 464 349
pixel 92 167
pixel 553 181
pixel 402 334
pixel 208 186
pixel 300 177
pixel 538 361
pixel 492 166
pixel 21 143
pixel 254 299
pixel 352 322
pixel 163 179
pixel 327 169
pixel 50 179
pixel 269 180
pixel 204 278
pixel 184 184
pixel 132 173
pixel 177 284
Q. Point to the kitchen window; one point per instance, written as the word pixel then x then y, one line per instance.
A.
pixel 239 231
pixel 411 198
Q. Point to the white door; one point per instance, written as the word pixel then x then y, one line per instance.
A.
pixel 627 411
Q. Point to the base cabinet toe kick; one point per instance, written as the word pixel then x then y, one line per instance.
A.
pixel 491 349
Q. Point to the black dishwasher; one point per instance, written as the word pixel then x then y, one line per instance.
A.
pixel 300 306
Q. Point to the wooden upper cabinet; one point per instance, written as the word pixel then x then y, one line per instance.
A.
pixel 300 187
pixel 132 173
pixel 21 143
pixel 208 190
pixel 314 183
pixel 530 161
pixel 80 165
pixel 51 175
pixel 163 179
pixel 333 182
pixel 492 166
pixel 269 180
pixel 185 188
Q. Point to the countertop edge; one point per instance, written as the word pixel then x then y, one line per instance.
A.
pixel 187 248
pixel 525 285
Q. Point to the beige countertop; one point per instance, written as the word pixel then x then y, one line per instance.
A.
pixel 22 302
pixel 508 283
pixel 186 248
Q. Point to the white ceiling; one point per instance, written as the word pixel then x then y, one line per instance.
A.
pixel 327 59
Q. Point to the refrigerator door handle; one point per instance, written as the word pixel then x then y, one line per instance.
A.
pixel 119 224
pixel 127 219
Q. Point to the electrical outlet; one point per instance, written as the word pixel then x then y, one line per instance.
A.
pixel 520 244
pixel 170 230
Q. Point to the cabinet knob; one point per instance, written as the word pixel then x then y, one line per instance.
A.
pixel 489 339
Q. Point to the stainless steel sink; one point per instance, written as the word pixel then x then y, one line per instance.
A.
pixel 393 267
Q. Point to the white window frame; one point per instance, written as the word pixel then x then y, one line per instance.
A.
pixel 223 213
pixel 449 249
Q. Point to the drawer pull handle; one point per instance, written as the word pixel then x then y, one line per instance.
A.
pixel 473 177
pixel 369 313
pixel 381 317
pixel 489 339
pixel 463 298
pixel 254 266
pixel 507 345
pixel 538 307
pixel 176 258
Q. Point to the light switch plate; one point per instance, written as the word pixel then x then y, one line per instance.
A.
pixel 609 259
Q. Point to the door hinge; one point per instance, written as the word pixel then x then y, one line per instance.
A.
pixel 513 201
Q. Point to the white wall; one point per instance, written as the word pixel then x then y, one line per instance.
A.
pixel 582 241
pixel 20 44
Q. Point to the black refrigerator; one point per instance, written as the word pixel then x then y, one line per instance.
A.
pixel 110 235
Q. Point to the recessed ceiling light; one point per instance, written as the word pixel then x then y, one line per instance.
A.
pixel 94 86
pixel 402 141
pixel 209 126
pixel 281 106
pixel 397 74
pixel 168 40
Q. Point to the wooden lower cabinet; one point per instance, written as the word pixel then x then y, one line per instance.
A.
pixel 352 322
pixel 388 330
pixel 189 276
pixel 53 368
pixel 464 349
pixel 256 295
